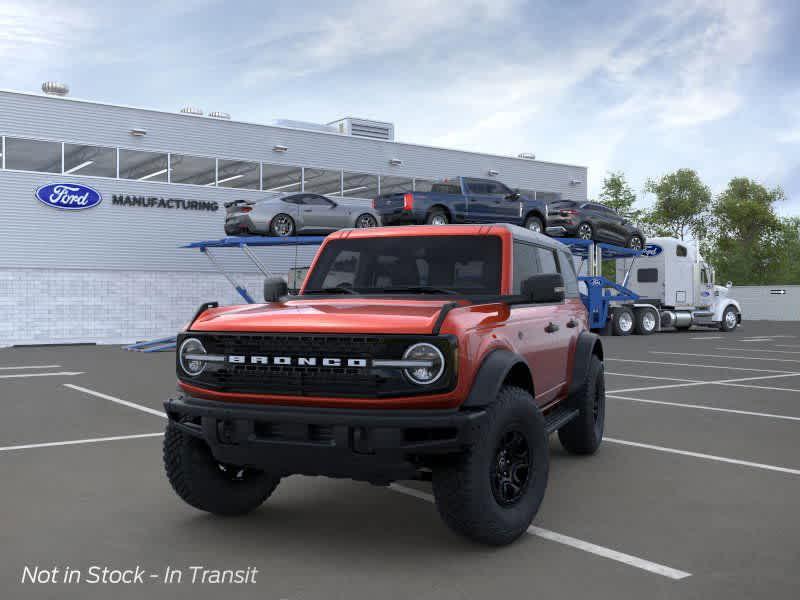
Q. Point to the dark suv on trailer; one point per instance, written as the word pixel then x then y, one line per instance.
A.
pixel 441 352
pixel 592 221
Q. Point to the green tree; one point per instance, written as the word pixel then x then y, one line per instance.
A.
pixel 750 244
pixel 618 195
pixel 681 207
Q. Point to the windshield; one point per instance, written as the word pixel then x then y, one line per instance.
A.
pixel 468 265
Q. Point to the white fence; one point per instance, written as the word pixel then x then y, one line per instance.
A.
pixel 768 302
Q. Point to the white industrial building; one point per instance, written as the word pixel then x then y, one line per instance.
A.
pixel 115 273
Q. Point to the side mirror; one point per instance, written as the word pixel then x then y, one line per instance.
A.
pixel 544 287
pixel 513 195
pixel 275 288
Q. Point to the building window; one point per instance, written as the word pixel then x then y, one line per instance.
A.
pixel 280 178
pixel 238 174
pixel 96 161
pixel 396 185
pixel 33 155
pixel 323 181
pixel 144 166
pixel 360 185
pixel 195 170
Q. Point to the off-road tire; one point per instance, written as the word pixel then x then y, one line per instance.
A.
pixel 532 221
pixel 619 322
pixel 584 433
pixel 201 482
pixel 272 225
pixel 463 485
pixel 437 214
pixel 724 326
pixel 640 327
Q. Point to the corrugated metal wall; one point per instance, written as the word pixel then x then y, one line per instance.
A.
pixel 768 302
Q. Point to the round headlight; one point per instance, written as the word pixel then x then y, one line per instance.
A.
pixel 191 356
pixel 432 368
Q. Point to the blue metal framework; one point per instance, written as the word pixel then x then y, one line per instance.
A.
pixel 245 243
pixel 599 289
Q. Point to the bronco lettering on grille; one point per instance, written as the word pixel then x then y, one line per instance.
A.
pixel 299 361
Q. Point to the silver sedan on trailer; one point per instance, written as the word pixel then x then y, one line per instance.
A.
pixel 287 214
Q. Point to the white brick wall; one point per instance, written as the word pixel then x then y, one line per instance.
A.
pixel 50 306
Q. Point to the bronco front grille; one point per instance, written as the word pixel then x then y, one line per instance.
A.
pixel 327 381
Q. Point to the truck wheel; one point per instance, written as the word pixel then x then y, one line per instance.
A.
pixel 584 433
pixel 204 483
pixel 534 224
pixel 623 321
pixel 282 225
pixel 492 492
pixel 729 319
pixel 437 217
pixel 646 321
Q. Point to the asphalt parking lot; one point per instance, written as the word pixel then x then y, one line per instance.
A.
pixel 693 494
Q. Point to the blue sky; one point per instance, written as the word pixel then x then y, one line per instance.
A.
pixel 641 87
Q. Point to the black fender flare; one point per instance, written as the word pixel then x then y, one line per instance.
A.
pixel 490 377
pixel 588 344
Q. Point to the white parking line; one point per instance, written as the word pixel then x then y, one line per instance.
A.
pixel 762 350
pixel 76 442
pixel 676 364
pixel 589 547
pixel 732 461
pixel 786 345
pixel 702 407
pixel 707 337
pixel 151 411
pixel 21 375
pixel 31 367
pixel 652 377
pixel 732 382
pixel 794 360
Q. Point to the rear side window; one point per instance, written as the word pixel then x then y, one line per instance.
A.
pixel 680 251
pixel 446 188
pixel 568 272
pixel 647 275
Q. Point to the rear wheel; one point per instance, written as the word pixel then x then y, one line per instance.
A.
pixel 534 224
pixel 646 321
pixel 492 492
pixel 729 319
pixel 623 321
pixel 204 483
pixel 437 217
pixel 585 232
pixel 584 433
pixel 366 220
pixel 282 225
pixel 635 242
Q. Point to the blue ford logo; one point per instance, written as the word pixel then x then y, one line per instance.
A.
pixel 68 196
pixel 652 250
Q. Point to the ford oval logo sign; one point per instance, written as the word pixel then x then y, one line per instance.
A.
pixel 68 196
pixel 652 250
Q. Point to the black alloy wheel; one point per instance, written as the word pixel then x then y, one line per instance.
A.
pixel 366 220
pixel 635 243
pixel 511 468
pixel 585 231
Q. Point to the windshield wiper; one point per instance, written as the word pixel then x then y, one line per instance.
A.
pixel 415 289
pixel 331 290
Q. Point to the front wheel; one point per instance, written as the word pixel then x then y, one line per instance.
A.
pixel 492 492
pixel 729 319
pixel 204 483
pixel 534 224
pixel 366 220
pixel 282 225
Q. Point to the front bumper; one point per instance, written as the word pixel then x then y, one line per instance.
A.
pixel 377 445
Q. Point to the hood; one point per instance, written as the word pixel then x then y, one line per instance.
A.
pixel 357 315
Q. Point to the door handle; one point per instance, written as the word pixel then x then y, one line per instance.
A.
pixel 308 210
pixel 572 323
pixel 551 327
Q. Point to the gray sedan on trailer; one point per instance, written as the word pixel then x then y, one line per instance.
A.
pixel 286 214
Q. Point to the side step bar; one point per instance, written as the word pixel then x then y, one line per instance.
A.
pixel 559 417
